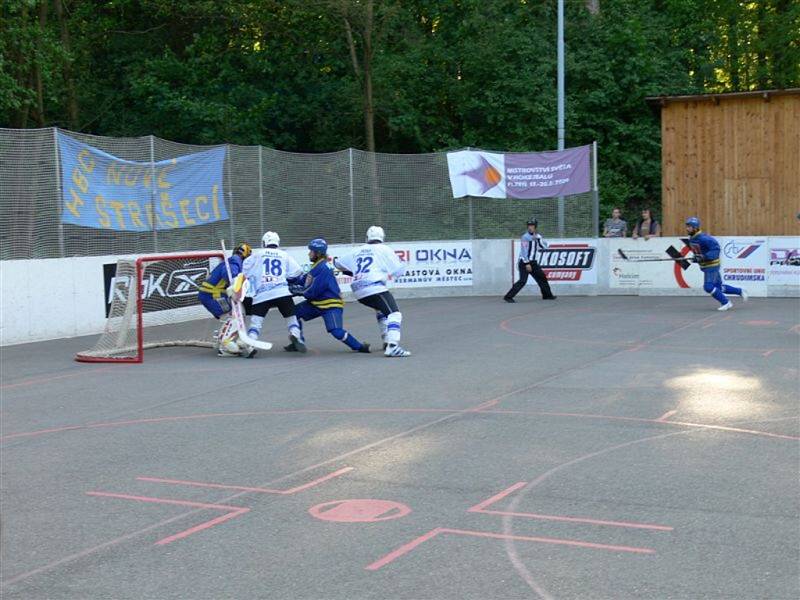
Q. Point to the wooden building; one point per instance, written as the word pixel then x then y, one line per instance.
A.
pixel 733 160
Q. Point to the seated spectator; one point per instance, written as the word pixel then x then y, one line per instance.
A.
pixel 647 226
pixel 615 226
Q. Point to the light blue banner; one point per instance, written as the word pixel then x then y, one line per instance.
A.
pixel 105 192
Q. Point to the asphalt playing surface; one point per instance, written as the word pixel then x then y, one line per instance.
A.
pixel 605 447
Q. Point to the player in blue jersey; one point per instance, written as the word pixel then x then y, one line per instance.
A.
pixel 323 298
pixel 706 254
pixel 213 294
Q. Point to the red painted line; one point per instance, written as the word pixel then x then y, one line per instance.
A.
pixel 666 415
pixel 590 521
pixel 404 549
pixel 485 405
pixel 233 511
pixel 545 540
pixel 768 353
pixel 165 501
pixel 201 527
pixel 707 325
pixel 39 380
pixel 497 497
pixel 260 490
pixel 795 328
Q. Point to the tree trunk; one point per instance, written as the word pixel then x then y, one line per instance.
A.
pixel 369 106
pixel 37 66
pixel 72 97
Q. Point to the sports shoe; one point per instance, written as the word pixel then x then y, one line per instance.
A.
pixel 248 352
pixel 509 300
pixel 549 297
pixel 298 344
pixel 225 354
pixel 396 351
pixel 725 307
pixel 745 296
pixel 364 348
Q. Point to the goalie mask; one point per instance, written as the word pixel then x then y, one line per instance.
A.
pixel 243 250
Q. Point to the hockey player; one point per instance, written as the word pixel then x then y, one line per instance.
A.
pixel 706 254
pixel 323 298
pixel 370 267
pixel 268 272
pixel 214 294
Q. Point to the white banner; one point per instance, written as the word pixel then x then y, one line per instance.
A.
pixel 428 264
pixel 565 261
pixel 744 263
pixel 784 261
pixel 652 275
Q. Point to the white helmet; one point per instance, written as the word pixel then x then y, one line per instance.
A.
pixel 270 239
pixel 376 233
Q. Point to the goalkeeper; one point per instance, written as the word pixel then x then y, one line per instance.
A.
pixel 323 298
pixel 214 294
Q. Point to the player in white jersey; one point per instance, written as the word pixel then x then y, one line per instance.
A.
pixel 267 272
pixel 370 266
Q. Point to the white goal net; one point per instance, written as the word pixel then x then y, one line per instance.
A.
pixel 153 303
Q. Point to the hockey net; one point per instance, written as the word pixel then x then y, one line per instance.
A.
pixel 164 312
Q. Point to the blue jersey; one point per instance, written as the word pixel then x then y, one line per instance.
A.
pixel 705 248
pixel 324 291
pixel 217 280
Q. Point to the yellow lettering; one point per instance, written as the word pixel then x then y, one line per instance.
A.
pixel 133 209
pixel 187 220
pixel 201 213
pixel 166 210
pixel 99 205
pixel 132 176
pixel 118 206
pixel 162 183
pixel 89 165
pixel 148 209
pixel 215 201
pixel 80 180
pixel 76 202
pixel 113 173
pixel 147 177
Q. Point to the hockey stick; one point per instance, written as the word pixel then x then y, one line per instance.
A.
pixel 680 259
pixel 238 315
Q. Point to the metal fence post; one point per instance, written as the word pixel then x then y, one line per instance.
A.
pixel 153 192
pixel 231 212
pixel 261 188
pixel 352 203
pixel 59 195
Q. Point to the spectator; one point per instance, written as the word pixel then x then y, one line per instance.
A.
pixel 615 226
pixel 647 226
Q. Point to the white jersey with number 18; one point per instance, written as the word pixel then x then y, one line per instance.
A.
pixel 371 265
pixel 266 271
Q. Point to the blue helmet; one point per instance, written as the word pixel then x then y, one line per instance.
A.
pixel 694 222
pixel 318 245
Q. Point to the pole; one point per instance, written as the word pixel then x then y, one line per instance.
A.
pixel 153 192
pixel 234 243
pixel 596 192
pixel 352 203
pixel 261 188
pixel 560 85
pixel 61 248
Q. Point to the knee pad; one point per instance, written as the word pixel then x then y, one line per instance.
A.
pixel 338 333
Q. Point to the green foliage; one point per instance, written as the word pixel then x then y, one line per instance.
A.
pixel 445 74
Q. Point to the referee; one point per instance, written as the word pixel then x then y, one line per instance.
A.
pixel 530 243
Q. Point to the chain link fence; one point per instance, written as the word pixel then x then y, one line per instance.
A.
pixel 335 195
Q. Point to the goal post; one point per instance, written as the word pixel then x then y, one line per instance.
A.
pixel 153 303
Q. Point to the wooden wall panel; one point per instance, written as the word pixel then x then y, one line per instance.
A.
pixel 733 162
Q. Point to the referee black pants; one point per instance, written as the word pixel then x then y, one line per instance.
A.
pixel 537 274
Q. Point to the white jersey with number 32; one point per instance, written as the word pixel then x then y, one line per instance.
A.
pixel 371 265
pixel 266 272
